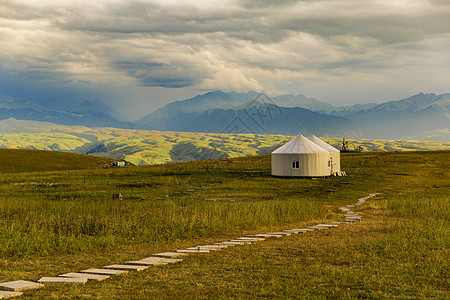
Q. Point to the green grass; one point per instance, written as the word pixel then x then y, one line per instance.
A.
pixel 23 160
pixel 70 222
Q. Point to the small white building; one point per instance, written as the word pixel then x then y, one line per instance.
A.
pixel 335 154
pixel 301 158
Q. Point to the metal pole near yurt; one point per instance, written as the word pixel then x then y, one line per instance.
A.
pixel 300 158
pixel 335 166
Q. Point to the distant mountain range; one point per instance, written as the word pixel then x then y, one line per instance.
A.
pixel 91 114
pixel 409 117
pixel 423 116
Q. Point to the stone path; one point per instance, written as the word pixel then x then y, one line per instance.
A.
pixel 16 288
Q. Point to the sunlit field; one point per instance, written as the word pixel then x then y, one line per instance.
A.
pixel 56 222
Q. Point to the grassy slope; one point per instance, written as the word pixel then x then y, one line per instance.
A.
pixel 399 250
pixel 143 147
pixel 22 160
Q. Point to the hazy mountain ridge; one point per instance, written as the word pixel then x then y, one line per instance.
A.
pixel 216 111
pixel 285 120
pixel 407 117
pixel 93 114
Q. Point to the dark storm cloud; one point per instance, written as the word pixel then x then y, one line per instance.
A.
pixel 241 44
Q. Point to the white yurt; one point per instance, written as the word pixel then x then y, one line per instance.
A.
pixel 335 163
pixel 300 158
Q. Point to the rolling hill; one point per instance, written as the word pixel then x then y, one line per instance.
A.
pixel 26 160
pixel 143 147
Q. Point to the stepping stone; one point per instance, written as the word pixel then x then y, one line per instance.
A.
pixel 193 251
pixel 230 243
pixel 161 259
pixel 19 285
pixel 93 277
pixel 316 228
pixel 290 231
pixel 66 280
pixel 242 241
pixel 126 267
pixel 154 261
pixel 326 225
pixel 336 223
pixel 146 262
pixel 247 238
pixel 214 246
pixel 303 230
pixel 353 220
pixel 198 248
pixel 265 235
pixel 351 205
pixel 104 271
pixel 170 254
pixel 7 294
pixel 280 233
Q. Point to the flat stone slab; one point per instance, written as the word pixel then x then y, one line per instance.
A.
pixel 156 261
pixel 126 267
pixel 248 238
pixel 65 280
pixel 146 263
pixel 353 220
pixel 316 227
pixel 8 294
pixel 214 246
pixel 193 251
pixel 327 225
pixel 170 254
pixel 19 285
pixel 280 233
pixel 166 260
pixel 104 271
pixel 230 243
pixel 303 230
pixel 242 241
pixel 93 277
pixel 203 248
pixel 263 235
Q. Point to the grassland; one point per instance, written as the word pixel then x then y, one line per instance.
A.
pixel 24 160
pixel 143 147
pixel 70 222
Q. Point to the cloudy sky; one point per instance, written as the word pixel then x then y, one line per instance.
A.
pixel 137 55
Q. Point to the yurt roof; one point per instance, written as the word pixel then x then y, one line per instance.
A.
pixel 322 144
pixel 300 144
